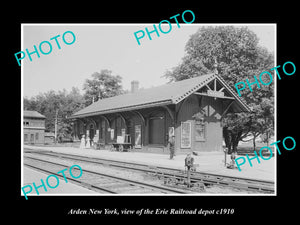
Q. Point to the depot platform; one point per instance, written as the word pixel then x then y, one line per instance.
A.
pixel 210 162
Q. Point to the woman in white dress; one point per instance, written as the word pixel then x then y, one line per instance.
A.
pixel 88 143
pixel 82 142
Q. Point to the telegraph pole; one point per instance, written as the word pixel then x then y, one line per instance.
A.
pixel 55 126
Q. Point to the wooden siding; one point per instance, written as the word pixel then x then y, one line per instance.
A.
pixel 33 136
pixel 157 120
pixel 213 129
pixel 211 110
pixel 33 130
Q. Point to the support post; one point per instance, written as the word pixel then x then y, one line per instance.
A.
pixel 188 177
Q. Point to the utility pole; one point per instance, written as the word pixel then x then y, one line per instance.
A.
pixel 55 126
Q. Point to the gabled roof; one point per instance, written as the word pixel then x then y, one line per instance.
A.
pixel 171 93
pixel 32 114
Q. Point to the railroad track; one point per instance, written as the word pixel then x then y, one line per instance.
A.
pixel 100 182
pixel 174 176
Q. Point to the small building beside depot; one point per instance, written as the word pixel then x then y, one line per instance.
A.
pixel 33 127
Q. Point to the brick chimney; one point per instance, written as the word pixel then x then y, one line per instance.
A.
pixel 134 86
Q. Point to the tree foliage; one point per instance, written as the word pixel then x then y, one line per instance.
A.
pixel 235 54
pixel 63 102
pixel 102 85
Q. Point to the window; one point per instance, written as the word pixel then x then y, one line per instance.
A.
pixel 36 136
pixel 25 123
pixel 25 137
pixel 199 131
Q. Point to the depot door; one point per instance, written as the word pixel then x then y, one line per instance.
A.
pixel 92 131
pixel 156 131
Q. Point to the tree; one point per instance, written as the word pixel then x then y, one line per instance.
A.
pixel 236 127
pixel 62 104
pixel 102 85
pixel 235 54
pixel 263 119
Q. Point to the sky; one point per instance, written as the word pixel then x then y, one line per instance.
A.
pixel 112 47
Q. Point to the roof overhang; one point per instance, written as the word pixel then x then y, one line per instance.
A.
pixel 238 104
pixel 123 109
pixel 179 94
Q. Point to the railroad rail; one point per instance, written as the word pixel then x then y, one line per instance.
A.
pixel 174 176
pixel 101 182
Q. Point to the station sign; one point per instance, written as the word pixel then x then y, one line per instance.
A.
pixel 218 94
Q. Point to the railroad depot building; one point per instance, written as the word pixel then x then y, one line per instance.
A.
pixel 33 127
pixel 191 110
